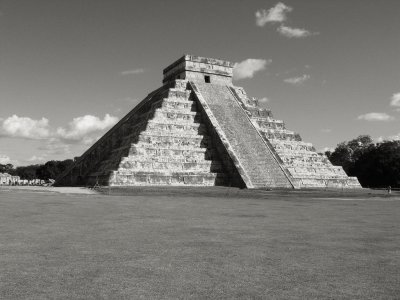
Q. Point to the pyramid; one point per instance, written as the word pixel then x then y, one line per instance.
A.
pixel 198 129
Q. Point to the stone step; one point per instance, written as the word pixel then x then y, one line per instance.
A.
pixel 180 84
pixel 176 127
pixel 135 164
pixel 175 179
pixel 300 155
pixel 173 140
pixel 149 150
pixel 165 151
pixel 277 131
pixel 257 112
pixel 290 136
pixel 292 146
pixel 318 172
pixel 174 93
pixel 175 104
pixel 161 128
pixel 146 152
pixel 193 157
pixel 172 115
pixel 268 124
pixel 152 166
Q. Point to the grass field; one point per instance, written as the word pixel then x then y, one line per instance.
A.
pixel 223 244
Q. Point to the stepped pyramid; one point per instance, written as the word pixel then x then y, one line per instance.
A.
pixel 200 130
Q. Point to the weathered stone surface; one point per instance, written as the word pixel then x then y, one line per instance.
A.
pixel 306 167
pixel 254 158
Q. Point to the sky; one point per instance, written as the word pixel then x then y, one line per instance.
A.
pixel 70 69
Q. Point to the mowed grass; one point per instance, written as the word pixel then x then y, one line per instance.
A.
pixel 268 245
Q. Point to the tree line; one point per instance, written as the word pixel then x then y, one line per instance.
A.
pixel 49 170
pixel 376 165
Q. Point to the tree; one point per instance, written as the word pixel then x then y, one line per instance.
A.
pixel 380 166
pixel 52 169
pixel 7 168
pixel 346 154
pixel 27 172
pixel 375 165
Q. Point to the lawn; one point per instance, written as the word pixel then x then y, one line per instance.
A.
pixel 223 243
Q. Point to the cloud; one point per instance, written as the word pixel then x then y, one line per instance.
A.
pixel 82 128
pixel 133 72
pixel 36 158
pixel 85 129
pixel 248 67
pixel 290 32
pixel 394 137
pixel 278 14
pixel 375 116
pixel 25 127
pixel 388 138
pixel 274 14
pixel 299 80
pixel 263 100
pixel 4 159
pixel 327 149
pixel 395 101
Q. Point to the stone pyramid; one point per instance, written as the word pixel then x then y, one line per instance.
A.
pixel 200 130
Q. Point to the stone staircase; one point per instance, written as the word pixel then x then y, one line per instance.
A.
pixel 254 160
pixel 306 167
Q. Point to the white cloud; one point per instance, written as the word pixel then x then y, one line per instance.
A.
pixel 248 67
pixel 25 127
pixel 299 80
pixel 263 100
pixel 395 101
pixel 375 116
pixel 394 137
pixel 274 14
pixel 36 158
pixel 85 129
pixel 82 128
pixel 132 72
pixel 388 138
pixel 290 32
pixel 327 149
pixel 4 159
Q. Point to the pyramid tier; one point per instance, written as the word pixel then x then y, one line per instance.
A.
pixel 176 104
pixel 176 178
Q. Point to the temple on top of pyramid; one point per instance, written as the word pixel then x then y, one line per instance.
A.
pixel 198 129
